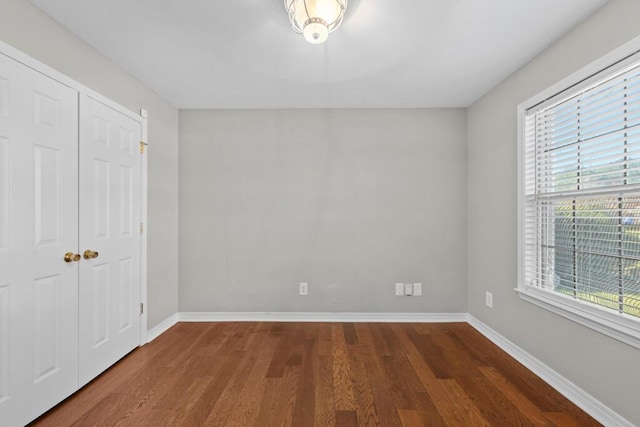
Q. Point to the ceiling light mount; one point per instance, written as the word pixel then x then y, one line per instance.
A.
pixel 315 19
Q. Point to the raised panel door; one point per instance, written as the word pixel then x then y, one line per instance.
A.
pixel 38 225
pixel 110 173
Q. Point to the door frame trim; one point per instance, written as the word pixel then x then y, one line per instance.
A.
pixel 143 235
pixel 21 57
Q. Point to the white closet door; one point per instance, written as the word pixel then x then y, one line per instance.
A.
pixel 38 225
pixel 110 166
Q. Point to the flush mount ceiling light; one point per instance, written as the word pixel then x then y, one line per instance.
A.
pixel 315 19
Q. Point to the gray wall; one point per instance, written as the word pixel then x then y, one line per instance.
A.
pixel 25 27
pixel 350 201
pixel 607 369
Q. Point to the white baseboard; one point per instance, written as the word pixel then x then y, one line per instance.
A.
pixel 162 327
pixel 575 394
pixel 323 317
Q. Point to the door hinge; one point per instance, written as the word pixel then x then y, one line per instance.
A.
pixel 142 145
pixel 141 228
pixel 141 308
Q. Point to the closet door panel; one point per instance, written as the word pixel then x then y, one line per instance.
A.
pixel 5 343
pixel 110 168
pixel 5 163
pixel 38 225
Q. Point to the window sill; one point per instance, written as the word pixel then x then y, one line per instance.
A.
pixel 620 327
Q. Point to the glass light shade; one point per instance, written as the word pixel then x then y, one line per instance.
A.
pixel 315 19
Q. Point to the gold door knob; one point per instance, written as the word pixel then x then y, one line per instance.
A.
pixel 71 257
pixel 89 254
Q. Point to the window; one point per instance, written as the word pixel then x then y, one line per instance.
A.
pixel 580 197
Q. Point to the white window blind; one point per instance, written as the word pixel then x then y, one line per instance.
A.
pixel 581 224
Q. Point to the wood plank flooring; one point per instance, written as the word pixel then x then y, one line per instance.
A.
pixel 317 374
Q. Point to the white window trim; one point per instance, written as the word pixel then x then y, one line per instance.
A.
pixel 621 327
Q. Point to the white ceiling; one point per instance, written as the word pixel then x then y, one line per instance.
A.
pixel 388 53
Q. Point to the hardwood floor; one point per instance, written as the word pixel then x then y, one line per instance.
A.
pixel 318 374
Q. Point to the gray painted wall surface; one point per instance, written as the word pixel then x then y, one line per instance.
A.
pixel 607 369
pixel 26 28
pixel 350 201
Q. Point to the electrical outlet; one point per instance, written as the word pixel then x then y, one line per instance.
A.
pixel 303 289
pixel 489 299
pixel 399 289
pixel 408 289
pixel 417 289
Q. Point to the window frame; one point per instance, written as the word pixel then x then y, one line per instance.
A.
pixel 621 327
